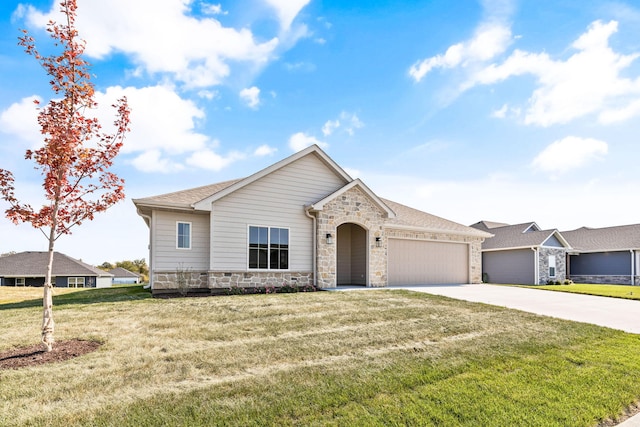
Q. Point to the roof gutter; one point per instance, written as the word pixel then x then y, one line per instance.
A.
pixel 536 265
pixel 478 233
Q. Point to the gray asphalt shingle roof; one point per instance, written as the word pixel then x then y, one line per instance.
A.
pixel 620 237
pixel 34 264
pixel 513 236
pixel 123 272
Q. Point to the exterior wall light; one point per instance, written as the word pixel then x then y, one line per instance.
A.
pixel 329 239
pixel 379 242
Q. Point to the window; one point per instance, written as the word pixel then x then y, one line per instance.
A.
pixel 183 235
pixel 75 282
pixel 552 266
pixel 269 248
pixel 20 281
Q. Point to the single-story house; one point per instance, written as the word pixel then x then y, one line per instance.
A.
pixel 522 254
pixel 605 255
pixel 124 276
pixel 30 269
pixel 302 221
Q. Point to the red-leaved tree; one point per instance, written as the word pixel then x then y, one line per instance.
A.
pixel 76 153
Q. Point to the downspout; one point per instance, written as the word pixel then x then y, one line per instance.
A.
pixel 315 233
pixel 147 219
pixel 633 272
pixel 536 258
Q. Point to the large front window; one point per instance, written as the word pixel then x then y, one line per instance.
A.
pixel 75 282
pixel 268 248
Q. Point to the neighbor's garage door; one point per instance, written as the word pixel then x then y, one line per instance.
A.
pixel 414 262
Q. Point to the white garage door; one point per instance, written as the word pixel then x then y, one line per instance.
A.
pixel 414 262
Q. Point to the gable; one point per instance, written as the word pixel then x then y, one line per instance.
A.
pixel 553 242
pixel 310 167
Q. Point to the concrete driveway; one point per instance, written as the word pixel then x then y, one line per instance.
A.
pixel 610 312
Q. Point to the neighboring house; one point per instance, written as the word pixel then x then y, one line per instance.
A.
pixel 302 220
pixel 522 254
pixel 30 268
pixel 605 255
pixel 123 276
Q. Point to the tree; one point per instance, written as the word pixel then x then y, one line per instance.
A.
pixel 106 266
pixel 75 155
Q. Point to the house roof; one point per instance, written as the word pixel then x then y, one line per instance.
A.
pixel 123 272
pixel 622 237
pixel 525 235
pixel 401 216
pixel 34 264
pixel 407 217
pixel 488 225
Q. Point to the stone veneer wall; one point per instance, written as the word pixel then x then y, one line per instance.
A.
pixel 606 280
pixel 475 246
pixel 355 207
pixel 168 280
pixel 543 265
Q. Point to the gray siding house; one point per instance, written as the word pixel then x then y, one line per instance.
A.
pixel 30 268
pixel 522 254
pixel 303 221
pixel 605 255
pixel 123 276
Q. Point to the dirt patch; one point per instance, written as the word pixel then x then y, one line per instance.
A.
pixel 35 355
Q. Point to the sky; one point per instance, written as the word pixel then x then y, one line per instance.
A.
pixel 499 110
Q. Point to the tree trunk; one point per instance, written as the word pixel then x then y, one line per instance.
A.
pixel 48 324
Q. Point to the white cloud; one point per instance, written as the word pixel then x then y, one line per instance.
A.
pixel 489 41
pixel 156 130
pixel 210 160
pixel 264 150
pixel 330 126
pixel 21 121
pixel 569 153
pixel 152 161
pixel 300 141
pixel 213 9
pixel 347 121
pixel 351 122
pixel 287 10
pixel 251 96
pixel 195 51
pixel 153 125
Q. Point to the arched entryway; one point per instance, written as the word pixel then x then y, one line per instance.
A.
pixel 351 253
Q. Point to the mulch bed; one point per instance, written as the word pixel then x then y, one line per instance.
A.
pixel 35 355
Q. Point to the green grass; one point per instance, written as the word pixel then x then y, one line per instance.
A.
pixel 614 291
pixel 375 358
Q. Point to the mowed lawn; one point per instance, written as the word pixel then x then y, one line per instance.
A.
pixel 373 358
pixel 615 291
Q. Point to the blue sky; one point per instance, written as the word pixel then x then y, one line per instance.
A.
pixel 499 110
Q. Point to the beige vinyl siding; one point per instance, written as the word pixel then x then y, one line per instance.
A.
pixel 166 256
pixel 276 200
pixel 416 262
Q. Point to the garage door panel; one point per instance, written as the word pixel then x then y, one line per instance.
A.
pixel 415 262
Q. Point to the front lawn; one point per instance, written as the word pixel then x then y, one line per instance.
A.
pixel 615 291
pixel 387 357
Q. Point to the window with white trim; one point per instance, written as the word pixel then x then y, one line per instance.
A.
pixel 75 282
pixel 20 281
pixel 268 248
pixel 552 266
pixel 183 235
